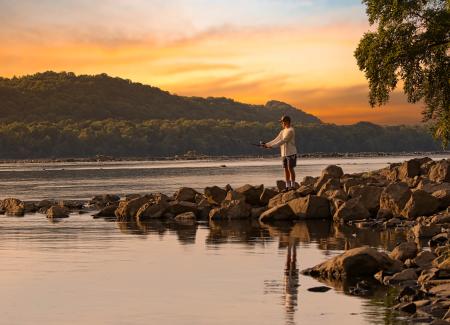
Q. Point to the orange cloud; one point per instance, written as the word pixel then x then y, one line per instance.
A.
pixel 311 68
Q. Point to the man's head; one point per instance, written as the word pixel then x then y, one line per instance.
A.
pixel 285 121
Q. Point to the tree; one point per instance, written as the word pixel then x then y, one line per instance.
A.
pixel 411 43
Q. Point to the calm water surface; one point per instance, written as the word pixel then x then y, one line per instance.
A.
pixel 93 271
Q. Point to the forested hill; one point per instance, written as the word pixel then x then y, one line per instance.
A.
pixel 52 96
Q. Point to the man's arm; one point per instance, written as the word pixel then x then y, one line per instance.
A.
pixel 272 143
pixel 280 139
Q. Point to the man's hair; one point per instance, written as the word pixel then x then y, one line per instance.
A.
pixel 285 119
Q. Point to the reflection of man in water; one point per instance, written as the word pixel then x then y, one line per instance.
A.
pixel 291 278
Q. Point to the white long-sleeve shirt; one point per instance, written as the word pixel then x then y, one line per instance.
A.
pixel 286 141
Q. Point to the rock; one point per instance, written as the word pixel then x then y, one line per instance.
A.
pixel 402 276
pixel 266 195
pixel 204 208
pixel 308 180
pixel 330 184
pixel 71 205
pixel 43 205
pixel 442 290
pixel 361 261
pixel 152 210
pixel 233 195
pixel 128 209
pixel 186 194
pixel 101 201
pixel 404 251
pixel 369 196
pixel 13 207
pixel 394 222
pixel 443 197
pixel 283 198
pixel 56 211
pixel 229 210
pixel 424 259
pixel 440 171
pixel 186 216
pixel 409 169
pixel 179 207
pixel 348 183
pixel 279 212
pixel 305 190
pixel 440 218
pixel 281 185
pixel 310 207
pixel 424 231
pixel 431 187
pixel 215 194
pixel 319 289
pixel 420 203
pixel 351 210
pixel 108 211
pixel 338 194
pixel 394 198
pixel 30 207
pixel 251 193
pixel 333 171
pixel 406 307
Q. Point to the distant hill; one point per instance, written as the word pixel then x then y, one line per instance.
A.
pixel 52 96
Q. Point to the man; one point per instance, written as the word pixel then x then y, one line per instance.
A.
pixel 286 141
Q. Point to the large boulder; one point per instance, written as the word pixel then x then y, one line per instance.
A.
pixel 215 194
pixel 251 193
pixel 356 262
pixel 179 207
pixel 349 182
pixel 420 203
pixel 440 171
pixel 101 201
pixel 333 171
pixel 128 209
pixel 431 187
pixel 394 198
pixel 369 196
pixel 108 211
pixel 283 198
pixel 153 209
pixel 409 169
pixel 57 211
pixel 443 196
pixel 310 207
pixel 425 231
pixel 279 212
pixel 305 190
pixel 404 251
pixel 351 210
pixel 12 207
pixel 229 210
pixel 186 194
pixel 266 195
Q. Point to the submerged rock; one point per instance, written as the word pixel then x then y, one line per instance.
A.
pixel 56 211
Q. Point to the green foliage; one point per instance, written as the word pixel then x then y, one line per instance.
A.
pixel 162 138
pixel 411 43
pixel 54 96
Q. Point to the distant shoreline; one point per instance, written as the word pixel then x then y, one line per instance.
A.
pixel 101 158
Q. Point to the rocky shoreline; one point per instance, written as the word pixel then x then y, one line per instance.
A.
pixel 412 197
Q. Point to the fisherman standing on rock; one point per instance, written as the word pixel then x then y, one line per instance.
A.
pixel 286 141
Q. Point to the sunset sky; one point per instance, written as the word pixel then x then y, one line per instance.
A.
pixel 297 51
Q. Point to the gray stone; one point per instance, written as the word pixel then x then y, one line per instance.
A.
pixel 279 212
pixel 186 194
pixel 215 194
pixel 420 203
pixel 425 231
pixel 394 198
pixel 404 251
pixel 311 207
pixel 56 211
pixel 440 171
pixel 361 261
pixel 351 210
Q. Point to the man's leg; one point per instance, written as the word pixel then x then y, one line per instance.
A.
pixel 287 175
pixel 292 175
